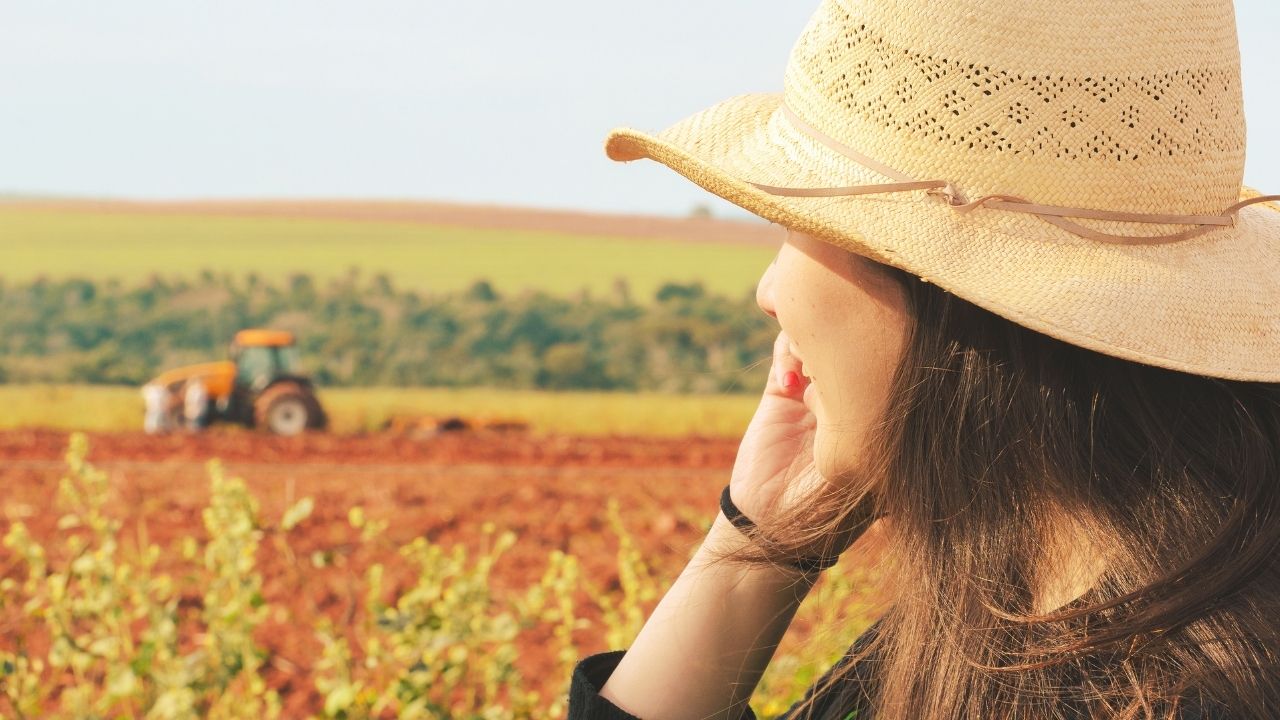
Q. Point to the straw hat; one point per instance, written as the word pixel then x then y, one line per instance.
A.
pixel 1074 167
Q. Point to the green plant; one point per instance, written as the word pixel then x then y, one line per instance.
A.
pixel 624 619
pixel 443 649
pixel 111 622
pixel 102 633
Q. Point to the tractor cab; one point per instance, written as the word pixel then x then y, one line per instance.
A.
pixel 270 391
pixel 262 357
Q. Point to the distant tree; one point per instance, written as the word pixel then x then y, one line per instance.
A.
pixel 621 291
pixel 302 289
pixel 679 291
pixel 383 286
pixel 481 291
pixel 571 365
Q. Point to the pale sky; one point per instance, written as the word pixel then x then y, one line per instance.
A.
pixel 506 101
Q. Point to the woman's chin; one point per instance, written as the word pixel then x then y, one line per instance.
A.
pixel 833 456
pixel 826 459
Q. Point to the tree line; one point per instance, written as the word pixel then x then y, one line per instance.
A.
pixel 358 331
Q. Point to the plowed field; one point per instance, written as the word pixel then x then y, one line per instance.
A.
pixel 551 491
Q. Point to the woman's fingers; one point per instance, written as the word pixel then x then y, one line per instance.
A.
pixel 786 377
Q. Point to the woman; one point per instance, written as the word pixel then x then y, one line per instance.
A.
pixel 1030 333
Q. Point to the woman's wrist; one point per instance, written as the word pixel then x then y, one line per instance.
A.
pixel 806 563
pixel 723 540
pixel 705 646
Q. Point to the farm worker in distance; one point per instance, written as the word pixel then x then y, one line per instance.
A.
pixel 155 398
pixel 195 404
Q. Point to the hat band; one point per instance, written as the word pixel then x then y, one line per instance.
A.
pixel 1050 213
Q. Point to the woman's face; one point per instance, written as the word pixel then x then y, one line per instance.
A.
pixel 846 324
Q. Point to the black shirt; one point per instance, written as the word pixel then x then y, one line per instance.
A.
pixel 848 699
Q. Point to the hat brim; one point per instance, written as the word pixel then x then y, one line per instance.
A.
pixel 1208 305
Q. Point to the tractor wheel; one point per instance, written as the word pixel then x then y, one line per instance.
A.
pixel 287 409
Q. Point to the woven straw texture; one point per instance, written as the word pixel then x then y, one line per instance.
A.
pixel 1123 106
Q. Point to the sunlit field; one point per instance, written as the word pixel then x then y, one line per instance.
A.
pixel 117 408
pixel 398 573
pixel 134 246
pixel 171 589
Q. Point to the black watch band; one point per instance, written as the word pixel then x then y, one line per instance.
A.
pixel 744 523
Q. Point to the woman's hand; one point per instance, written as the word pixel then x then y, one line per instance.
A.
pixel 704 648
pixel 776 453
pixel 707 643
pixel 775 466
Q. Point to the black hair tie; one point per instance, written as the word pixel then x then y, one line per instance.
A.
pixel 744 523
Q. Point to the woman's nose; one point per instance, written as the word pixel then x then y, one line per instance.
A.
pixel 764 292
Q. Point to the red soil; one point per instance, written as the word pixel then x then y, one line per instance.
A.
pixel 552 492
pixel 496 448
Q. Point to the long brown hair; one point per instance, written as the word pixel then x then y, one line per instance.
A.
pixel 1000 444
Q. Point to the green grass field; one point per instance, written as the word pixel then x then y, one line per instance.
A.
pixel 134 246
pixel 108 408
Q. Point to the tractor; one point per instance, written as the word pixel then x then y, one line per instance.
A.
pixel 258 386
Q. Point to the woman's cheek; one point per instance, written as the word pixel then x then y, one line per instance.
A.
pixel 833 453
pixel 842 408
